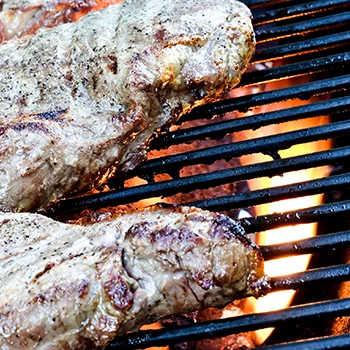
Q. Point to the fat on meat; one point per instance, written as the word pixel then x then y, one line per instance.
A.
pixel 80 102
pixel 77 286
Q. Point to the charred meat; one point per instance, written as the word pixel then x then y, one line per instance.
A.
pixel 80 102
pixel 78 286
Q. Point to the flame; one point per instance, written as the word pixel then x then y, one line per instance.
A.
pixel 285 266
pixel 153 326
pixel 93 6
pixel 279 267
pixel 143 203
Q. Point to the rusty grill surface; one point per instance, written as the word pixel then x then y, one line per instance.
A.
pixel 315 37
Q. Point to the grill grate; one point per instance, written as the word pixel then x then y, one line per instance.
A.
pixel 272 168
pixel 335 342
pixel 313 39
pixel 247 199
pixel 296 11
pixel 257 121
pixel 307 67
pixel 303 47
pixel 301 216
pixel 306 246
pixel 301 28
pixel 234 325
pixel 244 103
pixel 269 145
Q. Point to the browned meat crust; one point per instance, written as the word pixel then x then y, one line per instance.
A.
pixel 77 287
pixel 80 101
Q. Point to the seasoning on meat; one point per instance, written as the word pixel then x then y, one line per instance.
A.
pixel 77 287
pixel 80 101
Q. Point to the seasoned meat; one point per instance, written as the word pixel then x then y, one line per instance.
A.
pixel 21 17
pixel 65 286
pixel 80 101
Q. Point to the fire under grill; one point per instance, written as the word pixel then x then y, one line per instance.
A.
pixel 306 39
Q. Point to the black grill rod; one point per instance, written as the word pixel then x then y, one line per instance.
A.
pixel 254 122
pixel 296 11
pixel 187 184
pixel 253 4
pixel 310 278
pixel 233 325
pixel 301 47
pixel 295 217
pixel 302 28
pixel 268 195
pixel 268 145
pixel 338 240
pixel 288 71
pixel 325 343
pixel 244 103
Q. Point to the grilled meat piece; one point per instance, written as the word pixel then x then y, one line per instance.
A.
pixel 81 101
pixel 22 17
pixel 76 287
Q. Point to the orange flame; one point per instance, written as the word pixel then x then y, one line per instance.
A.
pixel 280 267
pixel 93 6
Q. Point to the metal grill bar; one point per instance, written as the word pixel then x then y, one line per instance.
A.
pixel 268 145
pixel 187 184
pixel 300 47
pixel 296 69
pixel 239 324
pixel 339 240
pixel 244 103
pixel 302 216
pixel 326 343
pixel 296 11
pixel 311 278
pixel 251 122
pixel 264 3
pixel 251 198
pixel 302 28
